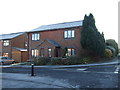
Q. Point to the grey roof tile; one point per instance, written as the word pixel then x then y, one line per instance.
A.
pixel 58 26
pixel 53 43
pixel 10 36
pixel 20 49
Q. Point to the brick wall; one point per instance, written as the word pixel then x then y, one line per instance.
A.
pixel 57 36
pixel 7 49
pixel 19 41
pixel 16 55
pixel 0 47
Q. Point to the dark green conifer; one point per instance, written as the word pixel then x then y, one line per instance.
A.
pixel 91 39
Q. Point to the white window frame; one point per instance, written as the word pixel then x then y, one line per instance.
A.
pixel 73 51
pixel 35 52
pixel 69 34
pixel 26 44
pixel 65 34
pixel 49 52
pixel 73 33
pixel 35 36
pixel 70 52
pixel 6 43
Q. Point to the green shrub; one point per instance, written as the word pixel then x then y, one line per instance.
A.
pixel 86 53
pixel 41 60
pixel 72 60
pixel 64 51
pixel 86 60
pixel 113 43
pixel 108 53
pixel 56 60
pixel 113 50
pixel 26 63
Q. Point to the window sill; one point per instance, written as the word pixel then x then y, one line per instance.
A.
pixel 6 46
pixel 35 40
pixel 70 38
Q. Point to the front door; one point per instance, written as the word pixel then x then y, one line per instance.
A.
pixel 57 52
pixel 42 52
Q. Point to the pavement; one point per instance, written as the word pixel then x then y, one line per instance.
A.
pixel 27 81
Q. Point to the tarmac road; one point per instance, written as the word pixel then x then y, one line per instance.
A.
pixel 87 77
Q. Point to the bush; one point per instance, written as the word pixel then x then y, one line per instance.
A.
pixel 86 53
pixel 57 61
pixel 112 50
pixel 41 60
pixel 111 42
pixel 64 51
pixel 72 60
pixel 26 63
pixel 108 53
pixel 87 60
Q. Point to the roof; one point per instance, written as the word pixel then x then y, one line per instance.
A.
pixel 10 36
pixel 20 49
pixel 51 42
pixel 58 26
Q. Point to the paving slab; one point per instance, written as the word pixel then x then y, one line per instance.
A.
pixel 12 80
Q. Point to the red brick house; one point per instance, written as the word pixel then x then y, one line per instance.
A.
pixel 15 46
pixel 51 40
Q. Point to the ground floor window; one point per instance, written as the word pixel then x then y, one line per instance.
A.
pixel 5 54
pixel 70 51
pixel 34 52
pixel 49 52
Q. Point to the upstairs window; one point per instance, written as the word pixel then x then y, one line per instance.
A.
pixel 6 43
pixel 69 34
pixel 26 44
pixel 35 36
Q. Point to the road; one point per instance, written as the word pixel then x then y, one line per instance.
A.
pixel 87 77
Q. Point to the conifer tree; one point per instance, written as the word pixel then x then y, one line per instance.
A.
pixel 91 39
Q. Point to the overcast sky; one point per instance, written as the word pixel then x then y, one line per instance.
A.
pixel 25 15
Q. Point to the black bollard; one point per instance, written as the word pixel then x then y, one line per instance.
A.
pixel 32 70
